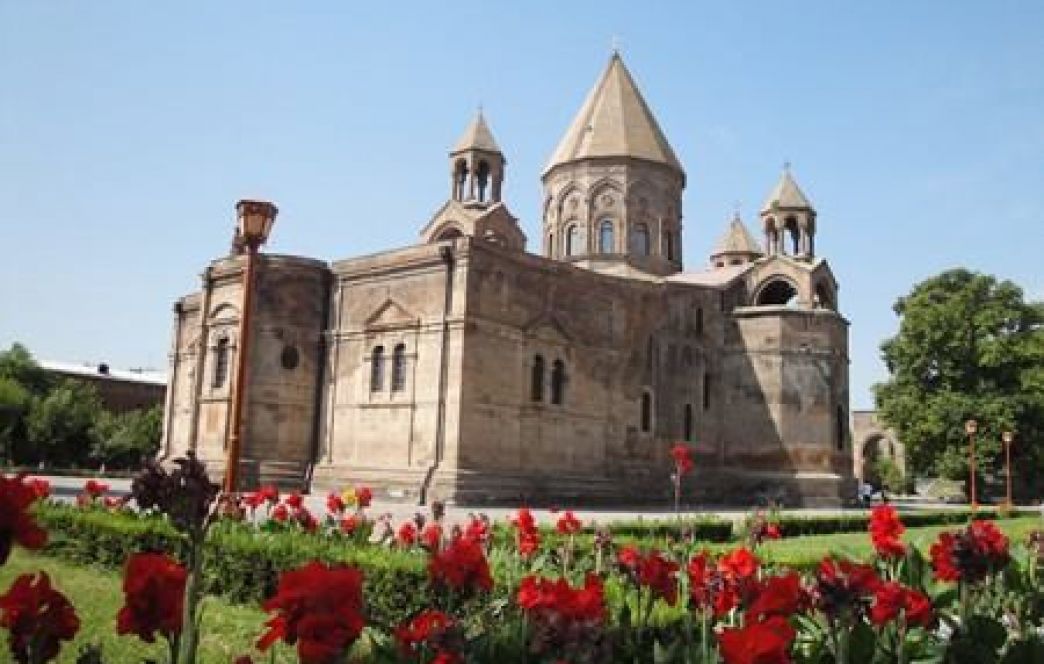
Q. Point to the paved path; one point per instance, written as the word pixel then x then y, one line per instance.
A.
pixel 66 488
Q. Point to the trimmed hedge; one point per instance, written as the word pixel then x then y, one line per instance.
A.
pixel 796 526
pixel 242 564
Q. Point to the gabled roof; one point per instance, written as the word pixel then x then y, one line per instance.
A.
pixel 614 121
pixel 737 240
pixel 786 194
pixel 476 137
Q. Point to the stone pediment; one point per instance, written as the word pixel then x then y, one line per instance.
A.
pixel 549 328
pixel 391 314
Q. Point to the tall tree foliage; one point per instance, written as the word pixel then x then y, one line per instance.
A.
pixel 969 346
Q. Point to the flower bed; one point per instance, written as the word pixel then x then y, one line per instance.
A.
pixel 433 592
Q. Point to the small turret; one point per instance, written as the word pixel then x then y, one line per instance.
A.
pixel 477 165
pixel 736 247
pixel 787 212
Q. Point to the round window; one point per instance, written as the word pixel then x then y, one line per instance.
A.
pixel 290 357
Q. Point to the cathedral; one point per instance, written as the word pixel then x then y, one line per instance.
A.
pixel 467 369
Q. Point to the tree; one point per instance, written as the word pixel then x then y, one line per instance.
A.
pixel 21 378
pixel 968 347
pixel 61 424
pixel 123 440
pixel 18 365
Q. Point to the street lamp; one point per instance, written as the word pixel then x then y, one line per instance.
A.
pixel 970 427
pixel 254 221
pixel 1008 437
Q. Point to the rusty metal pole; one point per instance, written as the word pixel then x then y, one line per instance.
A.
pixel 235 434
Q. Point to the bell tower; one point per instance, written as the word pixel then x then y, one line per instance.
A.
pixel 476 165
pixel 789 220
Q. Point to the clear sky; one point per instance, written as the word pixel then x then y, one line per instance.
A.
pixel 128 130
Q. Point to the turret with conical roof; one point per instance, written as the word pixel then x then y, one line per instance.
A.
pixel 477 164
pixel 613 184
pixel 736 246
pixel 788 212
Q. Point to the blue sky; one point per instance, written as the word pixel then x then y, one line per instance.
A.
pixel 128 130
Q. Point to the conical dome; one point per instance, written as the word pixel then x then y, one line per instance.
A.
pixel 477 137
pixel 736 240
pixel 614 121
pixel 786 194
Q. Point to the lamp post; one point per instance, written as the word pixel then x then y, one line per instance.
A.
pixel 970 427
pixel 254 221
pixel 1008 437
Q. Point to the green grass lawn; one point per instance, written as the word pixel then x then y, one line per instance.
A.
pixel 230 630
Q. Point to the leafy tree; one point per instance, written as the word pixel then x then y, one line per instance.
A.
pixel 14 403
pixel 18 365
pixel 61 424
pixel 969 346
pixel 123 440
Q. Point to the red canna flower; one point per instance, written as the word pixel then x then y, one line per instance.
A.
pixel 682 456
pixel 154 597
pixel 295 500
pixel 280 513
pixel 363 496
pixel 349 524
pixel 334 503
pixel 776 596
pixel 885 531
pixel 971 554
pixel 431 537
pixel 95 489
pixel 841 585
pixel 253 500
pixel 739 564
pixel 892 598
pixel 319 608
pixel 407 534
pixel 477 530
pixel 426 630
pixel 556 602
pixel 568 524
pixel 765 642
pixel 628 557
pixel 528 536
pixel 37 617
pixel 306 520
pixel 40 486
pixel 269 494
pixel 660 575
pixel 462 565
pixel 17 525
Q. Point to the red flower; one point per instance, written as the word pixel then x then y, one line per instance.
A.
pixel 269 493
pixel 40 486
pixel 95 489
pixel 555 602
pixel 253 500
pixel 306 520
pixel 154 596
pixel 280 513
pixel 776 596
pixel 739 564
pixel 431 537
pixel 295 500
pixel 17 525
pixel 37 617
pixel 461 566
pixel 363 496
pixel 682 455
pixel 334 503
pixel 349 524
pixel 971 554
pixel 528 536
pixel 407 535
pixel 772 531
pixel 629 556
pixel 891 598
pixel 885 531
pixel 660 575
pixel 319 608
pixel 765 642
pixel 427 629
pixel 843 584
pixel 568 524
pixel 477 530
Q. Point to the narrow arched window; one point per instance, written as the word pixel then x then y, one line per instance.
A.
pixel 550 246
pixel 687 422
pixel 482 180
pixel 668 245
pixel 640 240
pixel 536 380
pixel 221 353
pixel 606 237
pixel 646 412
pixel 706 391
pixel 558 379
pixel 399 368
pixel 377 369
pixel 842 428
pixel 699 320
pixel 572 240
